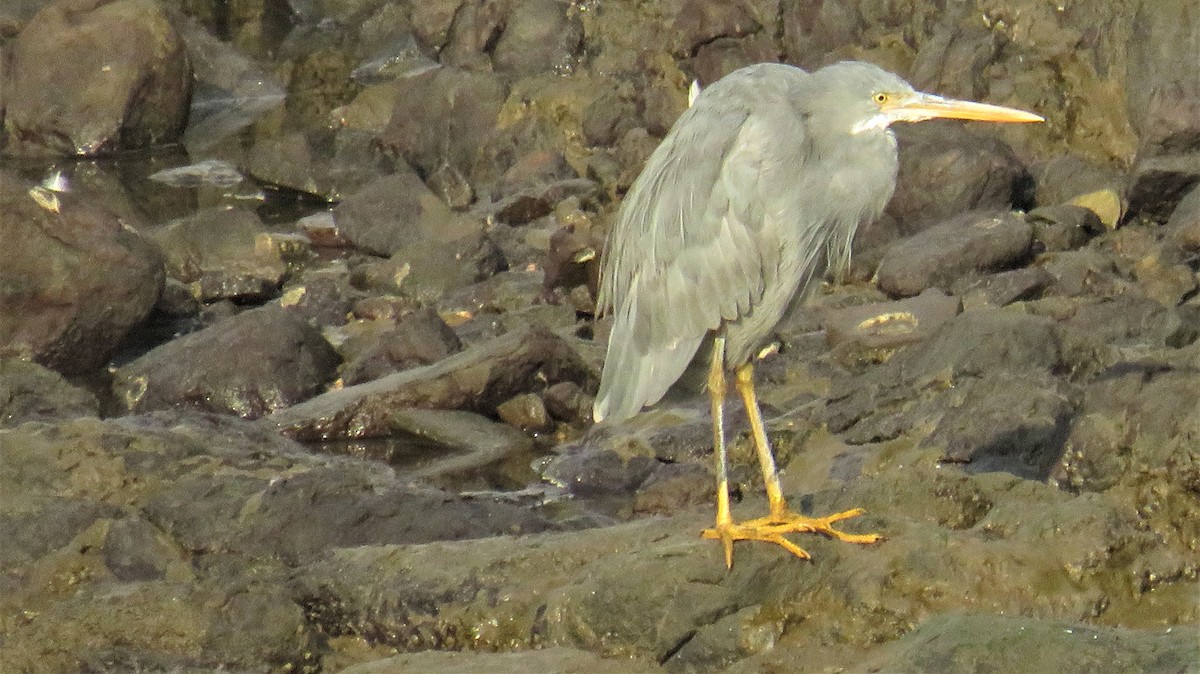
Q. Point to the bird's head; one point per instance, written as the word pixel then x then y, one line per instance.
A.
pixel 866 97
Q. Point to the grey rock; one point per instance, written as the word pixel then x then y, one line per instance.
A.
pixel 539 36
pixel 329 165
pixel 59 102
pixel 249 365
pixel 398 211
pixel 1062 227
pixel 419 338
pixel 972 242
pixel 556 660
pixel 77 284
pixel 30 392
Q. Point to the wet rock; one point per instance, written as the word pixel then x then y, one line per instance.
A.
pixel 1130 441
pixel 1184 225
pixel 248 365
pixel 330 165
pixel 572 260
pixel 1062 227
pixel 324 296
pixel 557 659
pixel 30 392
pixel 920 384
pixel 419 338
pixel 60 102
pixel 444 116
pixel 77 280
pixel 979 241
pixel 525 411
pixel 539 35
pixel 398 211
pixel 887 325
pixel 976 641
pixel 1158 184
pixel 568 402
pixel 477 380
pixel 1163 99
pixel 466 443
pixel 1004 288
pixel 221 253
pixel 531 204
pixel 451 185
pixel 945 170
pixel 1071 179
pixel 1002 421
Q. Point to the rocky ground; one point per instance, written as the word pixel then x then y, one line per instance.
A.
pixel 297 361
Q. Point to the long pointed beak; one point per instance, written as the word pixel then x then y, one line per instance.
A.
pixel 920 107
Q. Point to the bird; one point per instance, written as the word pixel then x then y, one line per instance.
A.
pixel 752 197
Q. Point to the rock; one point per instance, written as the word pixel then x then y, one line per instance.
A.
pixel 444 116
pixel 419 338
pixel 30 392
pixel 525 411
pixel 77 281
pixel 477 380
pixel 1062 227
pixel 888 325
pixel 539 35
pixel 1071 179
pixel 557 659
pixel 979 241
pixel 1158 184
pixel 979 641
pixel 467 443
pixel 60 102
pixel 1183 227
pixel 329 165
pixel 1163 99
pixel 566 401
pixel 323 296
pixel 398 211
pixel 221 253
pixel 945 170
pixel 248 365
pixel 998 290
pixel 1015 422
pixel 572 260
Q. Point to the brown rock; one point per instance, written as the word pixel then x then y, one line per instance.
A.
pixel 96 76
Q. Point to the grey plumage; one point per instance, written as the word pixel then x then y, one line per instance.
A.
pixel 755 192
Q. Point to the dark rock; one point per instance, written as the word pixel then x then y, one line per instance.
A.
pixel 531 204
pixel 1184 225
pixel 599 472
pixel 134 550
pixel 1088 272
pixel 525 411
pixel 1004 288
pixel 1158 184
pixel 76 281
pixel 477 380
pixel 887 325
pixel 431 21
pixel 556 659
pixel 1011 422
pixel 398 211
pixel 476 27
pixel 538 36
pixel 324 296
pixel 812 33
pixel 466 444
pixel 444 116
pixel 725 55
pixel 935 257
pixel 419 338
pixel 329 165
pixel 911 388
pixel 973 642
pixel 30 392
pixel 1062 227
pixel 222 253
pixel 1071 179
pixel 699 23
pixel 60 102
pixel 672 487
pixel 248 365
pixel 567 401
pixel 451 185
pixel 573 260
pixel 945 170
pixel 1163 98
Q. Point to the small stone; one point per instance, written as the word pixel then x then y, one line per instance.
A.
pixel 526 412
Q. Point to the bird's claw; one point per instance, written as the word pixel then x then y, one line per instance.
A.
pixel 771 529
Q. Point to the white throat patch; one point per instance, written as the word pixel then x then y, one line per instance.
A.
pixel 877 121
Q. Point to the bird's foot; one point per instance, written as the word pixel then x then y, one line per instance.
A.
pixel 771 529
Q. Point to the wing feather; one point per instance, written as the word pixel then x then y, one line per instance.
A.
pixel 689 248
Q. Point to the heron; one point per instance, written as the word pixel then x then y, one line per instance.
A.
pixel 753 196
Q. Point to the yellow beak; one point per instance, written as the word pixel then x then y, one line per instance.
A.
pixel 920 107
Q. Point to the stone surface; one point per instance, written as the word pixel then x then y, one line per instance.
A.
pixel 75 281
pixel 60 102
pixel 249 365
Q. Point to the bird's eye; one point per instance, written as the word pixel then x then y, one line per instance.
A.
pixel 881 98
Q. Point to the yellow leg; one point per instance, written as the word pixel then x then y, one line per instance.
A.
pixel 780 520
pixel 716 394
